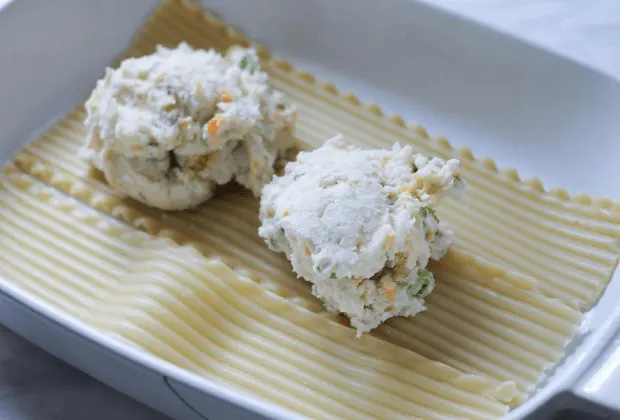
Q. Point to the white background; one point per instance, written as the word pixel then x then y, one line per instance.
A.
pixel 33 385
pixel 585 30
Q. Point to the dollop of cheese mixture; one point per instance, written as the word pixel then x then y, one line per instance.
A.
pixel 360 225
pixel 166 128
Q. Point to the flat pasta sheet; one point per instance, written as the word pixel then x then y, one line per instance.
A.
pixel 201 290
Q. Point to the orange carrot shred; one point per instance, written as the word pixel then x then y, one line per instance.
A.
pixel 213 125
pixel 225 97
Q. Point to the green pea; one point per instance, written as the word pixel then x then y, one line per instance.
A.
pixel 423 286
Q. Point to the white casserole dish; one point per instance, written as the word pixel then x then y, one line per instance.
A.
pixel 480 88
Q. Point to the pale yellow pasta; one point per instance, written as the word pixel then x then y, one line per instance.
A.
pixel 480 319
pixel 571 246
pixel 199 314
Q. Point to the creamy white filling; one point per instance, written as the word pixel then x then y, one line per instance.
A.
pixel 168 127
pixel 360 225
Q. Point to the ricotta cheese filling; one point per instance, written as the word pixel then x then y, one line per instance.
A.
pixel 360 225
pixel 166 128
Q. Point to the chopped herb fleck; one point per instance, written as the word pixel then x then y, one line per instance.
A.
pixel 424 213
pixel 332 276
pixel 274 242
pixel 424 285
pixel 244 61
pixel 320 267
pixel 413 290
pixel 247 63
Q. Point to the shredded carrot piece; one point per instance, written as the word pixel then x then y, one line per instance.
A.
pixel 384 160
pixel 213 125
pixel 255 163
pixel 308 252
pixel 389 242
pixel 286 213
pixel 389 293
pixel 269 213
pixel 225 97
pixel 136 147
pixel 456 174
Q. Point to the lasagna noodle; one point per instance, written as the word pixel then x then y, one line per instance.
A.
pixel 199 314
pixel 480 319
pixel 570 245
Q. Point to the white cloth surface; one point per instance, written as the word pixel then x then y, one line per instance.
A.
pixel 35 385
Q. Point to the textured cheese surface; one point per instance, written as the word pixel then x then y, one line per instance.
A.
pixel 360 226
pixel 508 295
pixel 168 127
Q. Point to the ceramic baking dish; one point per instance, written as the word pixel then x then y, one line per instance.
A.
pixel 529 109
